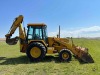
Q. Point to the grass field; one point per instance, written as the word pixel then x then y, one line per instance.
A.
pixel 12 62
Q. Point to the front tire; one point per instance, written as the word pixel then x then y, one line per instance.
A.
pixel 65 55
pixel 36 51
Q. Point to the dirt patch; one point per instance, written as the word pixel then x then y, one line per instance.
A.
pixel 2 39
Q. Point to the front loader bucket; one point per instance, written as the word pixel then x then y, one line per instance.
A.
pixel 86 57
pixel 12 41
pixel 82 54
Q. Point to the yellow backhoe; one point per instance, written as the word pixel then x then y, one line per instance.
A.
pixel 36 44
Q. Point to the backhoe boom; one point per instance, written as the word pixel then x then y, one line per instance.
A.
pixel 15 25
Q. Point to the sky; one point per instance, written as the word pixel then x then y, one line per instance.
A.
pixel 77 18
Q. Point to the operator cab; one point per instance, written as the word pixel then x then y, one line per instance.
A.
pixel 37 32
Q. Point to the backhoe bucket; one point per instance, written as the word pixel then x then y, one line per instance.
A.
pixel 84 55
pixel 12 41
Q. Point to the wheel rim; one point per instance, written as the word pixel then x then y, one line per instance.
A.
pixel 35 52
pixel 65 56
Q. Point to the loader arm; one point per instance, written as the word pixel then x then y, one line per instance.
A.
pixel 16 24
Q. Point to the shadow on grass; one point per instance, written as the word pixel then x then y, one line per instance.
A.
pixel 25 60
pixel 1 58
pixel 83 62
pixel 14 61
pixel 51 59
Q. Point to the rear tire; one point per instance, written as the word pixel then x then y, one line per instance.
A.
pixel 65 55
pixel 36 51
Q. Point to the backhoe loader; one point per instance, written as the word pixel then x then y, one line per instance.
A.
pixel 36 44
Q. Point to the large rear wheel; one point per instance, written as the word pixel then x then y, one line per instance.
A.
pixel 36 51
pixel 65 55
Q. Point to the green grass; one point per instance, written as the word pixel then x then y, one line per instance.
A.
pixel 12 62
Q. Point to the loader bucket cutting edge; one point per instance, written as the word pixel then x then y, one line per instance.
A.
pixel 12 41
